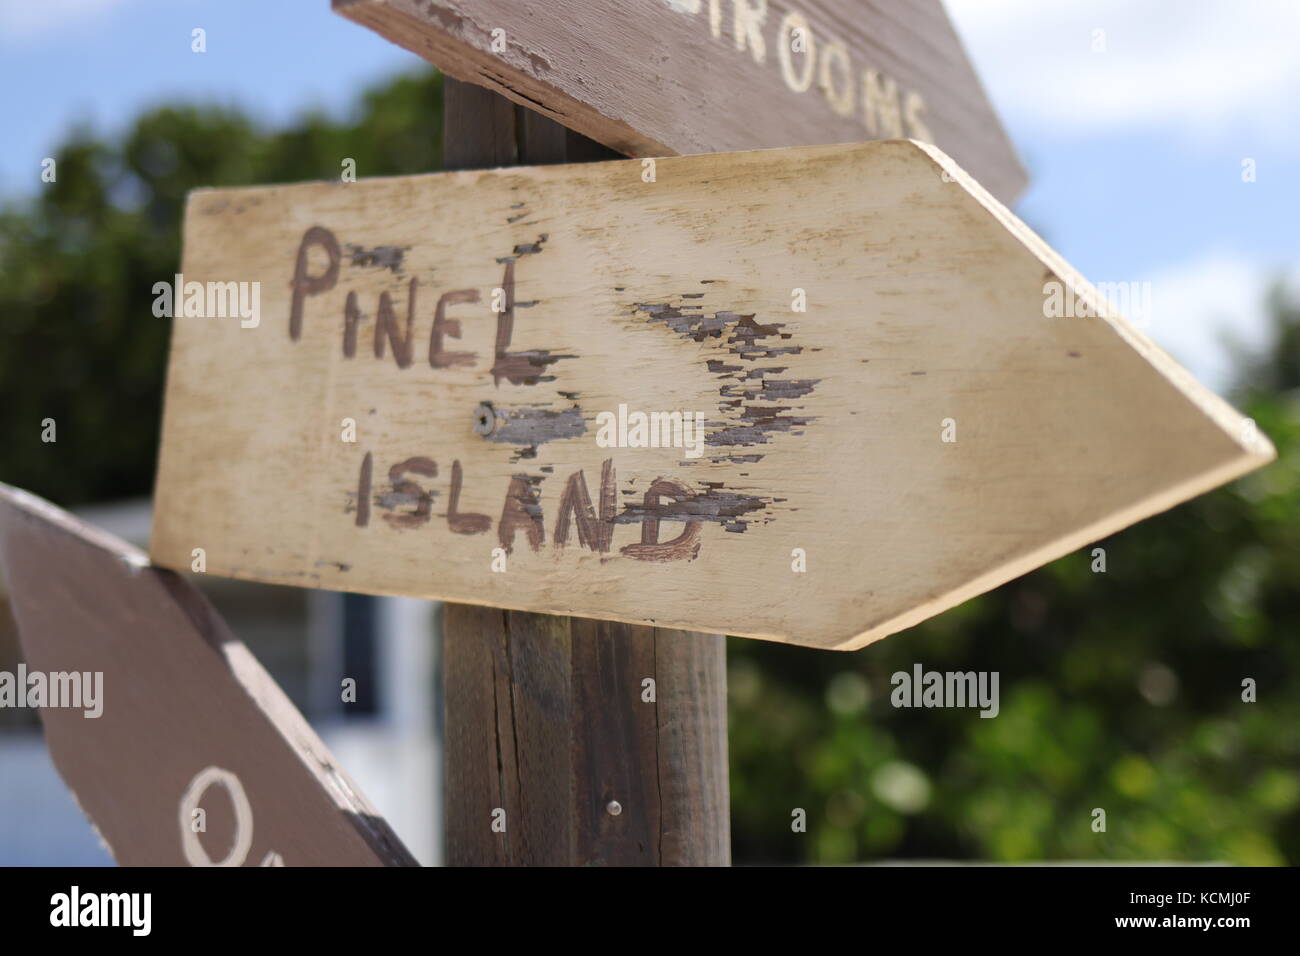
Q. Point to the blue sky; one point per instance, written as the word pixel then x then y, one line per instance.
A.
pixel 1134 150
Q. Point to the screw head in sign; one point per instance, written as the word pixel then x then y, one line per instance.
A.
pixel 485 419
pixel 613 808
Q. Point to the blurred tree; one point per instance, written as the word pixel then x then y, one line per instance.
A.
pixel 79 343
pixel 1119 690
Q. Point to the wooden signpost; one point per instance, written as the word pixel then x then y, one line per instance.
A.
pixel 809 395
pixel 195 755
pixel 645 80
pixel 659 77
pixel 592 742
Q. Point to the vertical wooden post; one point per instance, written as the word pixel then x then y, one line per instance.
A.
pixel 545 716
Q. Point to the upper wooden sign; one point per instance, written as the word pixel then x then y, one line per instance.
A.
pixel 659 77
pixel 748 396
pixel 174 741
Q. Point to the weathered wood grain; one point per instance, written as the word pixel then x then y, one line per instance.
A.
pixel 549 719
pixel 181 696
pixel 662 77
pixel 568 728
pixel 823 429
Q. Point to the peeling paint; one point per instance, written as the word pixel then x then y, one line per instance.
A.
pixel 743 342
pixel 392 500
pixel 525 249
pixel 382 257
pixel 533 426
pixel 526 367
pixel 694 327
pixel 725 507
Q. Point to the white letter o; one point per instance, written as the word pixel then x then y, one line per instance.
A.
pixel 195 855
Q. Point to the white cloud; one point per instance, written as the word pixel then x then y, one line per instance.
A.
pixel 1196 304
pixel 23 19
pixel 1205 68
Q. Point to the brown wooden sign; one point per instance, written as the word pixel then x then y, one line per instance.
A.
pixel 177 745
pixel 662 77
pixel 734 393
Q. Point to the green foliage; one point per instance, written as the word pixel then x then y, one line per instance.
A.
pixel 1119 690
pixel 78 339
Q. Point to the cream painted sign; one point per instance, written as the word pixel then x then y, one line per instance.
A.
pixel 746 396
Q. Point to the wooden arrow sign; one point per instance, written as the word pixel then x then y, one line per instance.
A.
pixel 179 748
pixel 660 77
pixel 812 395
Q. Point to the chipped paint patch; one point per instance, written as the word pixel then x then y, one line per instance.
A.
pixel 380 257
pixel 525 249
pixel 529 426
pixel 757 403
pixel 728 508
pixel 533 426
pixel 526 367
